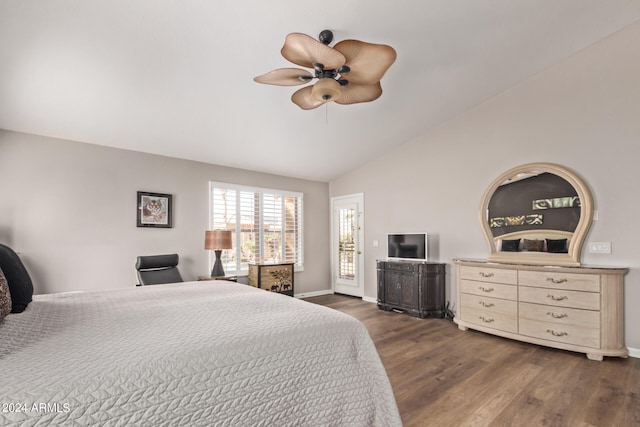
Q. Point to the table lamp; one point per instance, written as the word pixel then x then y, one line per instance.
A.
pixel 217 241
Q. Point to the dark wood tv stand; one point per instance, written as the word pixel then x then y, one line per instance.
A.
pixel 415 287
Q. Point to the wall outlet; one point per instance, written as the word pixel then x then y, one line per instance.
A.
pixel 600 247
pixel 375 243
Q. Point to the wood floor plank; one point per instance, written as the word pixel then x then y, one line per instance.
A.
pixel 442 376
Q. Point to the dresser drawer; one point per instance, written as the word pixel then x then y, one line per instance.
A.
pixel 552 331
pixel 494 290
pixel 560 315
pixel 488 274
pixel 489 305
pixel 560 298
pixel 570 281
pixel 489 319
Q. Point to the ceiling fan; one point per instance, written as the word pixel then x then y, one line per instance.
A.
pixel 348 73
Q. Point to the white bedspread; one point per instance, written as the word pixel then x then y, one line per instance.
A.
pixel 200 353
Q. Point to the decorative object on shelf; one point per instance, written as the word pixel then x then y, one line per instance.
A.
pixel 217 241
pixel 272 277
pixel 154 210
pixel 348 73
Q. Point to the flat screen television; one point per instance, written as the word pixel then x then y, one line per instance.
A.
pixel 412 246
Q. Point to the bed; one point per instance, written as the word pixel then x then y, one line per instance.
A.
pixel 209 353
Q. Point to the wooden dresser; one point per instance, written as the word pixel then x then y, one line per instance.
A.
pixel 572 308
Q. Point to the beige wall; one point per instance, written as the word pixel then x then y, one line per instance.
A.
pixel 70 209
pixel 583 113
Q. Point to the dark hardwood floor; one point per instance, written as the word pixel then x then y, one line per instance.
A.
pixel 442 376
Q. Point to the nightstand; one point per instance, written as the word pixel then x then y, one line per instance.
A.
pixel 274 277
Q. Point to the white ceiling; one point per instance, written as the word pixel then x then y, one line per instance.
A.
pixel 176 77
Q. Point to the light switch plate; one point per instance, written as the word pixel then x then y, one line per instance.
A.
pixel 600 247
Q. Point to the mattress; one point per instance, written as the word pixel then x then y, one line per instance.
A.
pixel 209 353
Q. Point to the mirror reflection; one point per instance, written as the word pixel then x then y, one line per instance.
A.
pixel 533 201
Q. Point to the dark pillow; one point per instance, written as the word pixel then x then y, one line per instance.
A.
pixel 5 296
pixel 533 245
pixel 20 285
pixel 510 245
pixel 558 246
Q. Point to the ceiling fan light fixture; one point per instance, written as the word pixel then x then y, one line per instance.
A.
pixel 326 90
pixel 363 63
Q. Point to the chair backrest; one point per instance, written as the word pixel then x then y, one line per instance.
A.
pixel 158 269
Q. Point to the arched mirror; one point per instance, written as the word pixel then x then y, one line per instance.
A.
pixel 538 213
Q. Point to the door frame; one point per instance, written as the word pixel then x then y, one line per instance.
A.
pixel 360 242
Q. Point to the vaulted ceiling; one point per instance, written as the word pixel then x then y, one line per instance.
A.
pixel 176 77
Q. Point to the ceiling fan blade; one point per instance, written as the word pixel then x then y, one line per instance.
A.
pixel 368 61
pixel 354 93
pixel 303 99
pixel 305 51
pixel 285 77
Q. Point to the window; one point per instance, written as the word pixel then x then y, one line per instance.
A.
pixel 266 225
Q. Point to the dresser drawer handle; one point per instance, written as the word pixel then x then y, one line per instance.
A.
pixel 555 298
pixel 556 281
pixel 557 334
pixel 483 274
pixel 557 316
pixel 485 320
pixel 484 304
pixel 483 289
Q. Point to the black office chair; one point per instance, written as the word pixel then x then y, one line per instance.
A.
pixel 158 269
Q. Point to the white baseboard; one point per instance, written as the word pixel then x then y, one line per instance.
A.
pixel 634 352
pixel 330 292
pixel 314 294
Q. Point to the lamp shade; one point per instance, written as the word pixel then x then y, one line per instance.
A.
pixel 326 89
pixel 217 239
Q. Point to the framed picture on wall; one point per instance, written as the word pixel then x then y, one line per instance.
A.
pixel 154 210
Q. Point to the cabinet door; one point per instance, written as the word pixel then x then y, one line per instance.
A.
pixel 400 289
pixel 382 298
pixel 431 291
